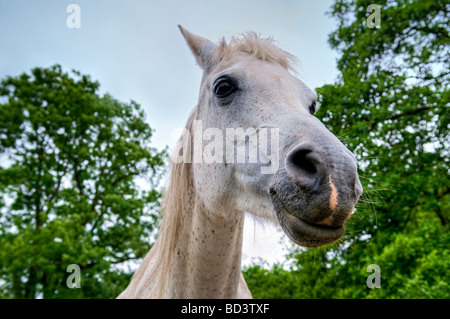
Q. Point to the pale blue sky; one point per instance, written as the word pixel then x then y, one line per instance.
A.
pixel 135 50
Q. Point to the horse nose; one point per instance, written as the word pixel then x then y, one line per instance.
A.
pixel 305 167
pixel 309 167
pixel 328 180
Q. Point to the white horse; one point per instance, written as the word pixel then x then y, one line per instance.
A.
pixel 302 177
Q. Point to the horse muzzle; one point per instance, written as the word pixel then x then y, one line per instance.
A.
pixel 314 194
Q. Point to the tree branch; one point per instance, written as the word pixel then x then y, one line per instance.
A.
pixel 405 113
pixel 58 185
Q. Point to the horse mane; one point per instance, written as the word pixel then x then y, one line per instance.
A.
pixel 176 197
pixel 261 48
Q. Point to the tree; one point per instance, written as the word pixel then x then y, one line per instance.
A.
pixel 70 159
pixel 390 105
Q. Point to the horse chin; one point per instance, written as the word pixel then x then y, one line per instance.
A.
pixel 301 232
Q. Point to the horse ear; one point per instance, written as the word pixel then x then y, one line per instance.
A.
pixel 202 48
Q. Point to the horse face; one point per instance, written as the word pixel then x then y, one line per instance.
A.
pixel 262 150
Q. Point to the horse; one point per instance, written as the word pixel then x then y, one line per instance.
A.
pixel 302 177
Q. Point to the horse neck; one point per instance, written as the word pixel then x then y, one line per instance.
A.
pixel 206 257
pixel 197 253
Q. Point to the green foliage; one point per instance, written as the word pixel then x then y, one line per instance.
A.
pixel 390 105
pixel 67 183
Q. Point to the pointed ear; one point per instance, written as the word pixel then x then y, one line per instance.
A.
pixel 202 48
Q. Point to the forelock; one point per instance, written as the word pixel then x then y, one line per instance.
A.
pixel 261 48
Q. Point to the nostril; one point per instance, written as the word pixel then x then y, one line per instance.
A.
pixel 303 166
pixel 301 161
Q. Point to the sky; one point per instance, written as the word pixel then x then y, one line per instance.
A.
pixel 135 50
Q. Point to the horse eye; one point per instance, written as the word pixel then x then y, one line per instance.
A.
pixel 312 107
pixel 224 88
